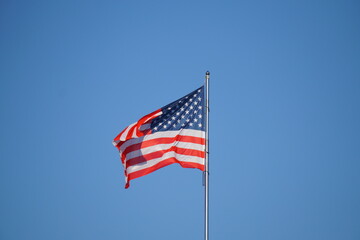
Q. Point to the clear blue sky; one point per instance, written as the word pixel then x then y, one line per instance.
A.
pixel 285 118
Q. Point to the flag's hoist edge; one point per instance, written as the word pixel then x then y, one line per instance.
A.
pixel 172 134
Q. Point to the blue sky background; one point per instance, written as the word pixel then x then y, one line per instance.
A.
pixel 285 135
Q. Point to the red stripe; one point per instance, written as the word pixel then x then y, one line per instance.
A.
pixel 163 140
pixel 144 120
pixel 117 138
pixel 118 145
pixel 130 132
pixel 148 117
pixel 136 128
pixel 159 154
pixel 162 164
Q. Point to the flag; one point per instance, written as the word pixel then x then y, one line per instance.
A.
pixel 174 133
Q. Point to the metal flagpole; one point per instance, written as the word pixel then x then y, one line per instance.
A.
pixel 206 172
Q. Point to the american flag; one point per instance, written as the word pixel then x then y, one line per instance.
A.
pixel 172 134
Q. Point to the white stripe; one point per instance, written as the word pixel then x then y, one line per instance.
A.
pixel 125 133
pixel 164 147
pixel 179 157
pixel 144 126
pixel 134 134
pixel 115 143
pixel 153 116
pixel 169 134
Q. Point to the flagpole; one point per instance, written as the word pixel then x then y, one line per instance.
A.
pixel 206 172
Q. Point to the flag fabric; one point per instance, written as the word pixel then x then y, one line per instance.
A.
pixel 174 133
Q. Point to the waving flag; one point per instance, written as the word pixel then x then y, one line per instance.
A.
pixel 172 134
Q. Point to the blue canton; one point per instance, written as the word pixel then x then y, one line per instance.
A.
pixel 187 112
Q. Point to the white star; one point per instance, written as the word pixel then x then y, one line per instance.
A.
pixel 164 126
pixel 182 109
pixel 169 122
pixel 187 112
pixel 200 116
pixel 178 121
pixel 195 120
pixel 190 100
pixel 200 107
pixel 173 118
pixel 187 120
pixel 178 113
pixel 155 128
pixel 199 90
pixel 200 125
pixel 195 95
pixel 195 103
pixel 182 116
pixel 186 104
pixel 169 108
pixel 191 124
pixel 174 125
pixel 195 111
pixel 183 125
pixel 199 98
pixel 160 124
pixel 191 107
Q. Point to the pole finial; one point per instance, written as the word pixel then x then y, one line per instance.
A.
pixel 207 73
